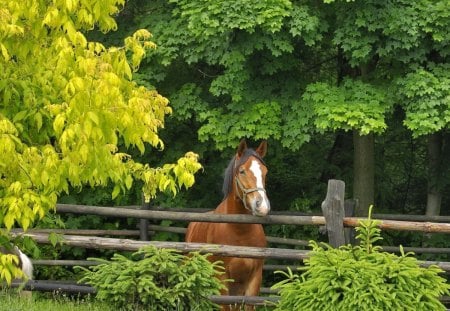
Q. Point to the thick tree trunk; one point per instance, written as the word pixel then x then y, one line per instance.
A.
pixel 434 195
pixel 363 172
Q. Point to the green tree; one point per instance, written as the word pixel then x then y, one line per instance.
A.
pixel 250 66
pixel 379 42
pixel 235 71
pixel 361 108
pixel 292 70
pixel 66 106
pixel 425 94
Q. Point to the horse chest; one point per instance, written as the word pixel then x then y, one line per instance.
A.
pixel 238 235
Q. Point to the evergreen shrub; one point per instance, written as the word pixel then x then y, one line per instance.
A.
pixel 361 278
pixel 156 279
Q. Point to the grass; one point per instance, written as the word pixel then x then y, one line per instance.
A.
pixel 11 301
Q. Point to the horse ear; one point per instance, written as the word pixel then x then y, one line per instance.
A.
pixel 262 148
pixel 242 146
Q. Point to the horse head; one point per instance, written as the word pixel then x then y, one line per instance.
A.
pixel 250 178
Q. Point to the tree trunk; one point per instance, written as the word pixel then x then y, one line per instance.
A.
pixel 363 172
pixel 434 195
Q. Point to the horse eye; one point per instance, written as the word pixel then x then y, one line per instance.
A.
pixel 242 171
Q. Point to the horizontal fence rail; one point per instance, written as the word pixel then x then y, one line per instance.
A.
pixel 427 227
pixel 183 216
pixel 133 245
pixel 136 233
pixel 215 249
pixel 179 230
pixel 402 217
pixel 420 218
pixel 89 263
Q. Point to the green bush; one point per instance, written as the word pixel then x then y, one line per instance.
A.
pixel 361 278
pixel 156 279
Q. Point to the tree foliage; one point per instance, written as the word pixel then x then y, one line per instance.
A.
pixel 68 104
pixel 404 31
pixel 406 43
pixel 234 64
pixel 319 68
pixel 425 94
pixel 213 17
pixel 252 62
pixel 353 105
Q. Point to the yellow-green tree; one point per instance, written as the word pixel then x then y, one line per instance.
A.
pixel 65 106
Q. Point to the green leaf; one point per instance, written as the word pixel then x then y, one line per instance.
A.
pixel 55 238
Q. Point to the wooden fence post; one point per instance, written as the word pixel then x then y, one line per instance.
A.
pixel 143 223
pixel 333 211
pixel 350 206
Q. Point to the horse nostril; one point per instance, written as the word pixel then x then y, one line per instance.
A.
pixel 258 203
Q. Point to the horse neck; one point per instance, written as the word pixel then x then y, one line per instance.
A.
pixel 233 204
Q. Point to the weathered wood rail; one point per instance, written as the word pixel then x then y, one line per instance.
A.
pixel 151 228
pixel 94 242
pixel 179 230
pixel 189 216
pixel 222 250
pixel 428 227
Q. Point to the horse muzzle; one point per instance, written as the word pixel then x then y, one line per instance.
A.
pixel 259 203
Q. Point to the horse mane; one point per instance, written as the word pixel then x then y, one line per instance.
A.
pixel 230 171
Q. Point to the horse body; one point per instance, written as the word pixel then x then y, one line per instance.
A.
pixel 246 273
pixel 244 194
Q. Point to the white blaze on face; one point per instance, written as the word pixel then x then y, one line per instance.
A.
pixel 265 205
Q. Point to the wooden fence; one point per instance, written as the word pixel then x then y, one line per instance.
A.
pixel 334 220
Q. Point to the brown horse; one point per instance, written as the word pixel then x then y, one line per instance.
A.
pixel 244 194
